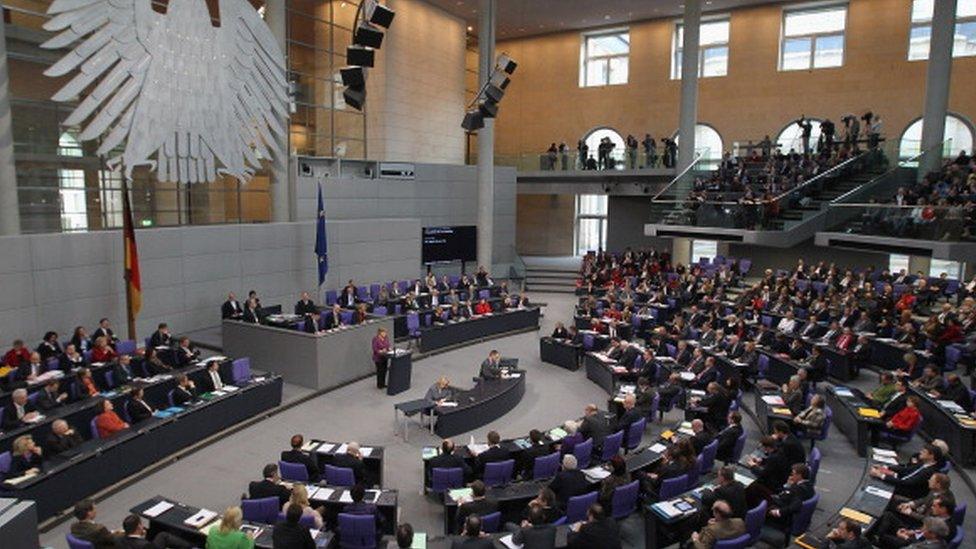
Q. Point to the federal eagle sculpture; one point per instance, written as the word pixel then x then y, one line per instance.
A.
pixel 170 90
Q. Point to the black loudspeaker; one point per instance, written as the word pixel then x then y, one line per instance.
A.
pixel 367 35
pixel 359 55
pixel 473 120
pixel 506 63
pixel 354 77
pixel 355 97
pixel 498 79
pixel 494 93
pixel 488 109
pixel 382 16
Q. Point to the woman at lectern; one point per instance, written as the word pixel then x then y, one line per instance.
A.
pixel 381 345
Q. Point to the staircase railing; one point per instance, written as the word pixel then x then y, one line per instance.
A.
pixel 685 176
pixel 517 271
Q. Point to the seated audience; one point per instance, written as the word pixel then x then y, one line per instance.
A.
pixel 299 499
pixel 51 396
pixel 471 536
pixel 360 507
pixel 19 411
pixel 722 526
pixel 85 528
pixel 102 352
pixel 847 535
pixel 598 532
pixel 297 455
pixel 811 420
pixel 139 410
pixel 62 438
pixel 26 457
pixel 270 485
pixel 185 390
pixel 228 534
pixel 911 480
pixel 493 454
pixel 536 532
pixel 728 437
pixel 289 534
pixel 134 537
pixel 479 504
pixel 569 481
pixel 107 421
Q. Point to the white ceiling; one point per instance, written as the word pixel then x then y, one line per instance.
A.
pixel 520 18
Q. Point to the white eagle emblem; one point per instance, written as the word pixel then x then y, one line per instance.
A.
pixel 200 100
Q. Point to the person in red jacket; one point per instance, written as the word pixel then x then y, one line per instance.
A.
pixel 17 356
pixel 102 352
pixel 906 419
pixel 108 422
pixel 482 308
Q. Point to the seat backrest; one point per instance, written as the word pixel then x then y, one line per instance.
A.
pixel 379 311
pixel 708 457
pixel 499 472
pixel 755 518
pixel 959 515
pixel 169 398
pixel 813 462
pixel 583 451
pixel 733 543
pixel 577 506
pixel 611 445
pixel 293 471
pixel 77 543
pixel 240 370
pixel 546 466
pixel 491 522
pixel 264 510
pixel 956 542
pixel 671 487
pixel 443 478
pixel 339 476
pixel 624 500
pixel 740 445
pixel 6 459
pixel 126 347
pixel 413 321
pixel 636 432
pixel 694 473
pixel 357 531
pixel 94 428
pixel 802 519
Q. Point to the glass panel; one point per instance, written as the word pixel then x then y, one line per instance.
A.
pixel 707 141
pixel 791 137
pixel 922 10
pixel 593 204
pixel 955 129
pixel 716 32
pixel 829 52
pixel 589 236
pixel 918 43
pixel 897 263
pixel 965 40
pixel 939 266
pixel 966 8
pixel 618 70
pixel 596 72
pixel 614 44
pixel 715 62
pixel 814 21
pixel 676 66
pixel 796 54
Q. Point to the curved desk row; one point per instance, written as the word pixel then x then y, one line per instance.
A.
pixel 945 420
pixel 561 352
pixel 99 463
pixel 453 332
pixel 487 401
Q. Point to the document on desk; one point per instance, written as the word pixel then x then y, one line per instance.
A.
pixel 869 412
pixel 687 376
pixel 669 508
pixel 507 542
pixel 320 493
pixel 341 449
pixel 773 400
pixel 17 480
pixel 309 446
pixel 843 391
pixel 345 497
pixel 596 473
pixel 951 406
pixel 366 451
pixel 855 515
pixel 658 448
pixel 157 509
pixel 230 388
pixel 557 434
pixel 875 491
pixel 746 481
pixel 477 448
pixel 372 496
pixel 325 448
pixel 201 517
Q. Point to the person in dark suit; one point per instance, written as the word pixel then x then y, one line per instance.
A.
pixel 727 489
pixel 185 390
pixel 569 482
pixel 104 330
pixel 72 359
pixel 630 414
pixel 535 532
pixel 252 312
pixel 26 457
pixel 62 438
pixel 472 537
pixel 702 437
pixel 728 437
pixel 51 396
pixel 161 337
pixel 911 480
pixel 352 459
pixel 289 534
pixel 231 308
pixel 771 471
pixel 305 305
pixel 18 411
pixel 186 355
pixel 139 409
pixel 50 347
pixel 312 323
pixel 448 460
pixel 122 372
pixel 491 367
pixel 594 426
pixel 87 529
pixel 296 455
pixel 360 507
pixel 213 380
pixel 333 319
pixel 479 504
pixel 493 454
pixel 598 532
pixel 786 502
pixel 535 450
pixel 716 404
pixel 134 537
pixel 270 485
pixel 790 445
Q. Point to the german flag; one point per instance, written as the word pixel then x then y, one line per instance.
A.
pixel 133 290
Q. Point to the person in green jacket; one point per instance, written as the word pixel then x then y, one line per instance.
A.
pixel 228 535
pixel 885 390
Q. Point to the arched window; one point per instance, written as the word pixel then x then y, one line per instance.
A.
pixel 593 139
pixel 708 142
pixel 71 183
pixel 792 136
pixel 956 129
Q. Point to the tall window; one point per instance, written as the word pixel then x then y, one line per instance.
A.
pixel 708 143
pixel 791 138
pixel 897 263
pixel 813 38
pixel 604 58
pixel 713 49
pixel 956 129
pixel 703 248
pixel 964 42
pixel 593 141
pixel 591 222
pixel 71 184
pixel 951 268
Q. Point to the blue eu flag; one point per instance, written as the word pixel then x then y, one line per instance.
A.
pixel 321 247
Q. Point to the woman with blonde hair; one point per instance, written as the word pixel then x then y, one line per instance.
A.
pixel 228 535
pixel 299 498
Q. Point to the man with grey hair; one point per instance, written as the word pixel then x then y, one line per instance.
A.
pixel 934 533
pixel 19 411
pixel 62 438
pixel 569 482
pixel 352 459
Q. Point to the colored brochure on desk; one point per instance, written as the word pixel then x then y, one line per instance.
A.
pixel 869 412
pixel 460 494
pixel 162 414
pixel 157 509
pixel 507 542
pixel 200 518
pixel 773 400
pixel 855 515
pixel 782 411
pixel 557 434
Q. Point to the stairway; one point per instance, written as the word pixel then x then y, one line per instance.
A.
pixel 551 274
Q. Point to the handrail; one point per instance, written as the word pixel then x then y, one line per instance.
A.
pixel 818 176
pixel 891 206
pixel 901 164
pixel 698 157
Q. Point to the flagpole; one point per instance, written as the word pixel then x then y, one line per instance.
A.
pixel 127 215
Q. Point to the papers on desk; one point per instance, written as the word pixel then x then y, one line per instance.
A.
pixel 366 451
pixel 346 497
pixel 885 459
pixel 37 418
pixel 869 412
pixel 428 452
pixel 460 494
pixel 773 400
pixel 216 358
pixel 745 480
pixel 965 420
pixel 658 448
pixel 875 491
pixel 687 376
pixel 674 508
pixel 476 449
pixel 341 449
pixel 26 476
pixel 200 518
pixel 884 456
pixel 951 406
pixel 619 369
pixel 325 448
pixel 157 509
pixel 320 492
pixel 782 411
pixel 843 391
pixel 309 446
pixel 596 473
pixel 855 515
pixel 507 542
pixel 884 452
pixel 230 388
pixel 667 434
pixel 254 531
pixel 372 496
pixel 448 404
pixel 557 434
pixel 686 429
pixel 514 375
